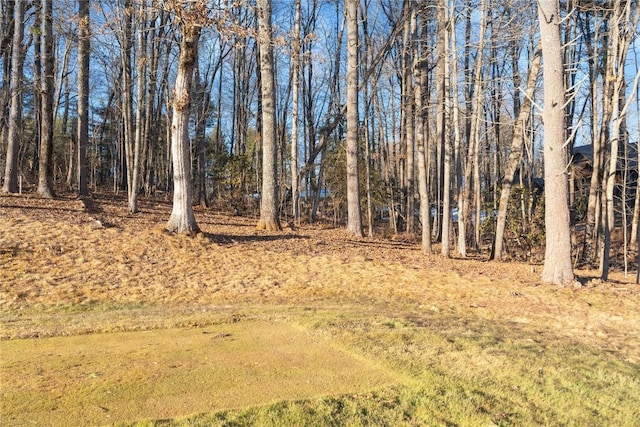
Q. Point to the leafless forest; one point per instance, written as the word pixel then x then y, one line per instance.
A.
pixel 505 129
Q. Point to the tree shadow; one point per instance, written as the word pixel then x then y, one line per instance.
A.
pixel 378 243
pixel 230 239
pixel 91 206
pixel 40 208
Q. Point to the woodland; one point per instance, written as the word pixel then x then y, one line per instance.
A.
pixel 319 212
pixel 426 119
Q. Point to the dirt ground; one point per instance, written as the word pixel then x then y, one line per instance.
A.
pixel 67 255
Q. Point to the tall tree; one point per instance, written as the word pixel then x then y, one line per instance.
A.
pixel 420 70
pixel 295 76
pixel 624 22
pixel 45 164
pixel 142 66
pixel 131 147
pixel 15 116
pixel 471 169
pixel 601 107
pixel 354 215
pixel 6 40
pixel 269 219
pixel 557 262
pixel 408 114
pixel 269 198
pixel 84 48
pixel 515 155
pixel 442 139
pixel 192 16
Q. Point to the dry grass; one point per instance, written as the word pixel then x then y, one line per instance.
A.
pixel 471 325
pixel 68 381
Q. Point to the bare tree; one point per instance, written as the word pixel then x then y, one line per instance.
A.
pixel 140 136
pixel 471 174
pixel 269 198
pixel 624 22
pixel 442 140
pixel 45 171
pixel 15 117
pixel 354 216
pixel 192 16
pixel 408 114
pixel 131 154
pixel 84 49
pixel 7 24
pixel 295 75
pixel 557 262
pixel 420 70
pixel 515 155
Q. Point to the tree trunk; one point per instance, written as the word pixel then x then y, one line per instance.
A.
pixel 127 108
pixel 615 73
pixel 45 164
pixel 408 118
pixel 15 117
pixel 354 216
pixel 141 81
pixel 557 263
pixel 473 141
pixel 295 75
pixel 269 198
pixel 421 144
pixel 6 40
pixel 84 50
pixel 203 96
pixel 598 136
pixel 442 139
pixel 515 155
pixel 182 219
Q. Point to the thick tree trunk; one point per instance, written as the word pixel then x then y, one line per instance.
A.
pixel 557 263
pixel 269 198
pixel 83 95
pixel 182 219
pixel 10 184
pixel 45 164
pixel 354 216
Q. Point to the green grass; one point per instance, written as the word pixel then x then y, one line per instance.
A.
pixel 456 371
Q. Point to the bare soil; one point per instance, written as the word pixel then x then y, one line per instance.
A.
pixel 71 267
